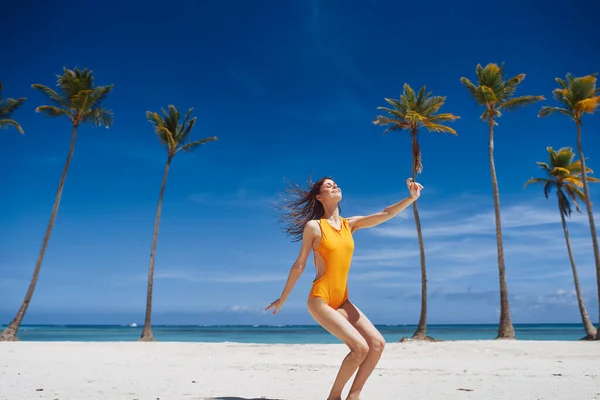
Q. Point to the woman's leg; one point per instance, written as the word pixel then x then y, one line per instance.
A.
pixel 339 326
pixel 373 338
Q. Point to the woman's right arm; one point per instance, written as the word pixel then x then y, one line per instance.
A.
pixel 311 231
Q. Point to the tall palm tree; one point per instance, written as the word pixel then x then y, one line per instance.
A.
pixel 174 135
pixel 412 112
pixel 576 97
pixel 7 107
pixel 496 94
pixel 81 102
pixel 565 176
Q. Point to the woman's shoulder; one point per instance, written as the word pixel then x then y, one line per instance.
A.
pixel 313 224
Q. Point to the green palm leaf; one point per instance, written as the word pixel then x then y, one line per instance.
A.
pixel 546 111
pixel 6 122
pixel 77 98
pixel 576 95
pixel 188 147
pixel 536 180
pixel 496 93
pixel 414 111
pixel 7 107
pixel 174 133
pixel 564 174
pixel 52 111
pixel 520 102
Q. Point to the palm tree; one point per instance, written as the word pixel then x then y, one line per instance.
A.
pixel 175 137
pixel 412 112
pixel 81 102
pixel 496 95
pixel 565 175
pixel 577 96
pixel 7 107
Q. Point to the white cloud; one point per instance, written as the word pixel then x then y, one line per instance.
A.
pixel 513 217
pixel 464 250
pixel 244 309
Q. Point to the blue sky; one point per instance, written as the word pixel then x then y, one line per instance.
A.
pixel 290 90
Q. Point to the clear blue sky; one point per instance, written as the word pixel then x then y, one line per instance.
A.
pixel 290 90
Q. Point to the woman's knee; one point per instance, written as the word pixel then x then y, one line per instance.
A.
pixel 359 349
pixel 377 344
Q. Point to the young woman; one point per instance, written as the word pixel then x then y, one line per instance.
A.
pixel 314 218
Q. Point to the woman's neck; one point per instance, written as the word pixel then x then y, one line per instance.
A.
pixel 331 212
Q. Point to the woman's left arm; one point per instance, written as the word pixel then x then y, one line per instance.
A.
pixel 368 221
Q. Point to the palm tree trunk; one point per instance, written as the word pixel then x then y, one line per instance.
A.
pixel 147 332
pixel 587 324
pixel 421 332
pixel 10 333
pixel 505 328
pixel 588 205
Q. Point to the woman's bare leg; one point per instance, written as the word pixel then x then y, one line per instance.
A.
pixel 373 338
pixel 339 326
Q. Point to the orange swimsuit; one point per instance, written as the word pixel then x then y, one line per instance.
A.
pixel 336 248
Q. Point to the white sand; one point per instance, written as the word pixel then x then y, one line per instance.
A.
pixel 515 370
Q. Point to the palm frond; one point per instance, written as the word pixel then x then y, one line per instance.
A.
pixel 489 95
pixel 400 107
pixel 544 166
pixel 98 95
pixel 578 192
pixel 562 83
pixel 77 98
pixel 433 127
pixel 560 172
pixel 99 117
pixel 9 106
pixel 393 124
pixel 475 92
pixel 443 117
pixel 174 133
pixel 564 158
pixel 576 95
pixel 575 168
pixel 520 102
pixel 564 205
pixel 409 93
pixel 548 187
pixel 547 110
pixel 535 181
pixel 509 88
pixel 54 97
pixel 52 111
pixel 188 147
pixel 6 122
pixel 589 105
pixel 575 181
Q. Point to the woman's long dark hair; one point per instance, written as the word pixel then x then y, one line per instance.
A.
pixel 300 206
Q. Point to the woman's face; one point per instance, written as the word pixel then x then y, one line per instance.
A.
pixel 330 192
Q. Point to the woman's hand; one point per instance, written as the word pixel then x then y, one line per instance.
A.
pixel 277 304
pixel 414 188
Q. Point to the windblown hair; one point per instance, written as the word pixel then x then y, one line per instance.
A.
pixel 300 206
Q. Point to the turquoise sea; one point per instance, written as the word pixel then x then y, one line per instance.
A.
pixel 297 334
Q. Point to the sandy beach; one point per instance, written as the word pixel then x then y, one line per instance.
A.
pixel 229 371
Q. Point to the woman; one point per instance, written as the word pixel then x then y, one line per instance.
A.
pixel 314 218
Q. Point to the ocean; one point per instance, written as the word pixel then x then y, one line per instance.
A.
pixel 291 334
